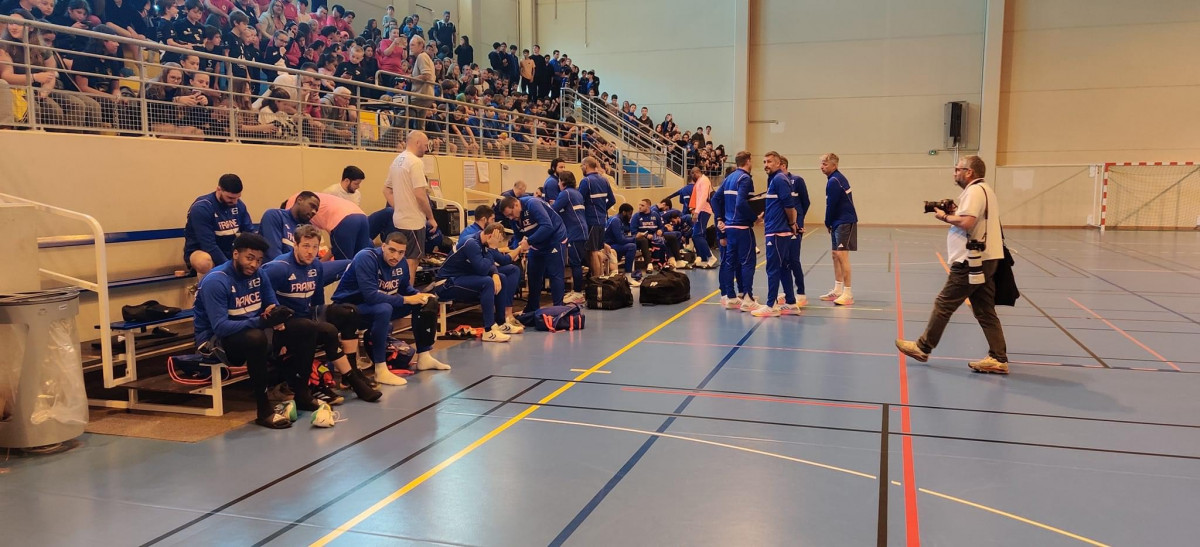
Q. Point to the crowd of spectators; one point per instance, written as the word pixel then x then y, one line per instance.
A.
pixel 512 102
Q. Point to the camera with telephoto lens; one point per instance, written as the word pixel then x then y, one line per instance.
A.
pixel 946 205
pixel 975 262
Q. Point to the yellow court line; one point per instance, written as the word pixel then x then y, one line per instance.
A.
pixel 594 372
pixel 345 527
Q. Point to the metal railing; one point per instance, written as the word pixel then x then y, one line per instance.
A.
pixel 634 135
pixel 253 102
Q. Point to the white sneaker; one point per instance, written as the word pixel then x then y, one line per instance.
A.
pixel 712 262
pixel 698 263
pixel 510 328
pixel 425 361
pixel 387 377
pixel 683 265
pixel 495 334
pixel 574 297
pixel 830 296
pixel 515 324
pixel 731 303
pixel 801 301
pixel 789 309
pixel 324 416
pixel 766 311
pixel 845 299
pixel 749 304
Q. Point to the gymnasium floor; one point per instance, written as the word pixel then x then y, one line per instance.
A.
pixel 692 425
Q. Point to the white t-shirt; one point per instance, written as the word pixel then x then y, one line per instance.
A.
pixel 406 174
pixel 971 202
pixel 336 190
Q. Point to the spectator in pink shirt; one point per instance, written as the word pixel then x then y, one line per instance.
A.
pixel 349 231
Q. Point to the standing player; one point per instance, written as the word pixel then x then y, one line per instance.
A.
pixel 842 222
pixel 547 237
pixel 779 227
pixel 213 223
pixel 550 188
pixel 570 206
pixel 731 207
pixel 598 198
pixel 278 225
pixel 802 203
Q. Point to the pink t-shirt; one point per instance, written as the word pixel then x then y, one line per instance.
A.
pixel 391 63
pixel 699 202
pixel 332 212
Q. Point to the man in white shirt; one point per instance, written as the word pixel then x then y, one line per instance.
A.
pixel 407 191
pixel 976 201
pixel 423 78
pixel 352 178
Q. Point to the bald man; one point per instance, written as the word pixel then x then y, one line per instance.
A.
pixel 407 191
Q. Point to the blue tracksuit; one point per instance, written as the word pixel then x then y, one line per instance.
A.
pixel 617 235
pixel 468 274
pixel 380 223
pixel 472 231
pixel 229 302
pixel 211 227
pixel 685 196
pixel 302 288
pixel 547 251
pixel 550 189
pixel 731 204
pixel 839 203
pixel 570 206
pixel 598 197
pixel 277 227
pixel 779 236
pixel 377 292
pixel 802 203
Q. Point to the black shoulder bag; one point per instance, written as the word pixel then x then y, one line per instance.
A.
pixel 1007 292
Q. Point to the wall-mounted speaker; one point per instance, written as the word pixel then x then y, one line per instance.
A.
pixel 955 134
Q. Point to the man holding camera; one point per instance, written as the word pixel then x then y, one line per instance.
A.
pixel 974 247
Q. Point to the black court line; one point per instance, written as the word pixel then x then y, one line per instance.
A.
pixel 1066 332
pixel 633 460
pixel 882 518
pixel 862 402
pixel 1147 300
pixel 392 467
pixel 306 466
pixel 851 430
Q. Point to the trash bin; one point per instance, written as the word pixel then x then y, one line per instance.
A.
pixel 42 398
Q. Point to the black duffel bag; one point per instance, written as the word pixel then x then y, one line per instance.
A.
pixel 665 287
pixel 608 293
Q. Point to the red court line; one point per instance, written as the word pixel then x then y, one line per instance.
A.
pixel 911 519
pixel 1127 335
pixel 748 398
pixel 840 352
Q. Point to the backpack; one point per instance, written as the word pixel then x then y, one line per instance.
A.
pixel 665 287
pixel 608 293
pixel 554 318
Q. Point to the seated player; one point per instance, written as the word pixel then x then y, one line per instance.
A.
pixel 347 224
pixel 473 274
pixel 213 223
pixel 483 217
pixel 376 283
pixel 618 236
pixel 237 316
pixel 380 223
pixel 547 238
pixel 649 229
pixel 278 225
pixel 299 281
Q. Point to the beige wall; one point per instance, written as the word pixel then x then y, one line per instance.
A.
pixel 671 56
pixel 1101 81
pixel 499 22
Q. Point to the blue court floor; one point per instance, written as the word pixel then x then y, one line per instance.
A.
pixel 693 425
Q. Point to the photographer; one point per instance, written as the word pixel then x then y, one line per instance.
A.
pixel 973 249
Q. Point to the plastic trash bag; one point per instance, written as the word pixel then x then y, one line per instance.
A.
pixel 12 339
pixel 61 396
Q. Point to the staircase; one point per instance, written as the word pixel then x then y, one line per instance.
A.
pixel 644 158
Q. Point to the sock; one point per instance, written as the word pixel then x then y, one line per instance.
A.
pixel 838 286
pixel 846 291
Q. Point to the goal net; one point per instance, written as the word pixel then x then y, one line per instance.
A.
pixel 1150 196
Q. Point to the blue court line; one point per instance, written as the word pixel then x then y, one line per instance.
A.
pixel 641 451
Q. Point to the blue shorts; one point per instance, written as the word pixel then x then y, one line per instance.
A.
pixel 845 237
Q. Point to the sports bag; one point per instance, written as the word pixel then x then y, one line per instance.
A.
pixel 608 293
pixel 554 318
pixel 665 287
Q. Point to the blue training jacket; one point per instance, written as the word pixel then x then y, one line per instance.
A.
pixel 211 227
pixel 277 227
pixel 302 288
pixel 799 197
pixel 540 225
pixel 685 196
pixel 649 223
pixel 598 196
pixel 839 203
pixel 229 302
pixel 369 280
pixel 617 232
pixel 570 206
pixel 778 201
pixel 472 231
pixel 472 258
pixel 731 202
pixel 550 188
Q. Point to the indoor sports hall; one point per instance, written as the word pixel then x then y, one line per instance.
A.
pixel 130 416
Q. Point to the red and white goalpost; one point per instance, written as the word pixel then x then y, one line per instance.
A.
pixel 1150 196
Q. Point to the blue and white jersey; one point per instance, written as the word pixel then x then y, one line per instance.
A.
pixel 778 201
pixel 370 280
pixel 229 302
pixel 211 227
pixel 302 288
pixel 278 227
